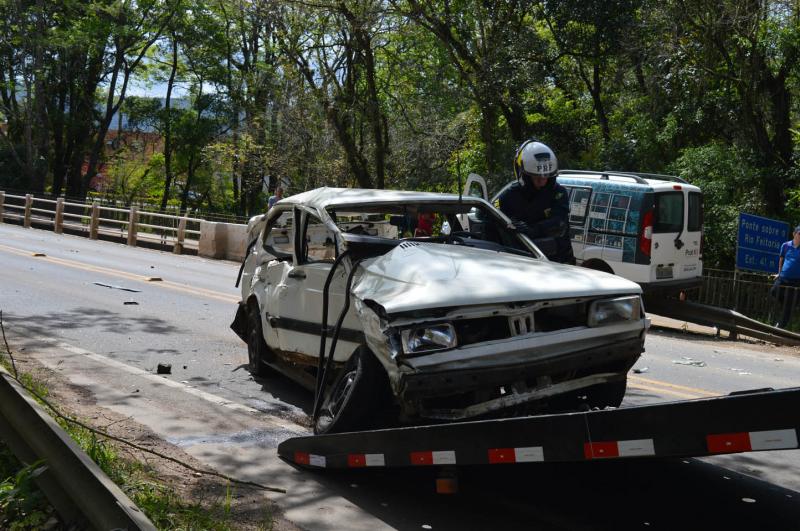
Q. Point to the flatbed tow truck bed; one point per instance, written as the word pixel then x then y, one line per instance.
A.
pixel 746 421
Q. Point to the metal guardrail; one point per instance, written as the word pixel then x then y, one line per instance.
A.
pixel 131 225
pixel 79 490
pixel 723 319
pixel 749 294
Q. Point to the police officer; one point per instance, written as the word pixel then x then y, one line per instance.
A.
pixel 537 204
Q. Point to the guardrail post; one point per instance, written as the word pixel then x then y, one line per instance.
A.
pixel 133 219
pixel 26 222
pixel 2 202
pixel 94 223
pixel 58 222
pixel 178 249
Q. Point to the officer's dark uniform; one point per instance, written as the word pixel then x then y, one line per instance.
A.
pixel 543 215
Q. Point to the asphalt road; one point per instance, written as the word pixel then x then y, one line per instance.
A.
pixel 94 311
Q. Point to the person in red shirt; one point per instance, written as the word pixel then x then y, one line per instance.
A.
pixel 425 222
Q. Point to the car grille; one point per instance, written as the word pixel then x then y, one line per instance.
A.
pixel 547 319
pixel 471 331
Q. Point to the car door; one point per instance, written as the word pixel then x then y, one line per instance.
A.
pixel 474 187
pixel 298 317
pixel 669 233
pixel 273 258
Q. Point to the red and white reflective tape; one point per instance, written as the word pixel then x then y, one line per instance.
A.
pixel 729 443
pixel 303 458
pixel 527 454
pixel 362 460
pixel 630 448
pixel 444 457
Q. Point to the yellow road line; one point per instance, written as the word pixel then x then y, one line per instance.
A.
pixel 637 382
pixel 660 390
pixel 124 274
pixel 669 388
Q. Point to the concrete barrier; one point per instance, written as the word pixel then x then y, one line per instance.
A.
pixel 222 240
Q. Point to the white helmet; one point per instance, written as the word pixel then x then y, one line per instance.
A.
pixel 534 159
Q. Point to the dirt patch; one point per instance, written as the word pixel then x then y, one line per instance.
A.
pixel 240 506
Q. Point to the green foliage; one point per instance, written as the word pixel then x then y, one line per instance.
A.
pixel 22 504
pixel 728 179
pixel 401 94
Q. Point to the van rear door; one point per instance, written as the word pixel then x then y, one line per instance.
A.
pixel 677 230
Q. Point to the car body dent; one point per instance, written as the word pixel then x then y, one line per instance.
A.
pixel 431 275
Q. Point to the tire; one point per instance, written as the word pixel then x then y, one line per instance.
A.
pixel 357 396
pixel 598 265
pixel 257 350
pixel 606 395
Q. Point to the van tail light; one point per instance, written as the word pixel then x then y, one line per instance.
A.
pixel 646 234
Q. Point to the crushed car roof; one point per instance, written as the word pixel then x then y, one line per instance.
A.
pixel 323 198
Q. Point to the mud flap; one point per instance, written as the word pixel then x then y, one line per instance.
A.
pixel 239 324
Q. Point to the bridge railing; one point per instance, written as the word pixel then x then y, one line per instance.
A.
pixel 129 224
pixel 750 294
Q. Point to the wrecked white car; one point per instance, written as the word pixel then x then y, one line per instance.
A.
pixel 418 307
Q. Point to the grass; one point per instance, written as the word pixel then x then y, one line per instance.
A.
pixel 23 506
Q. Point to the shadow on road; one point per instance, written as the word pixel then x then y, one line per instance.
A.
pixel 42 325
pixel 636 494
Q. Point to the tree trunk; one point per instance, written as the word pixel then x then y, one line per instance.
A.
pixel 168 125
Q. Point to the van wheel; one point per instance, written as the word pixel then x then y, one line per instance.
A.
pixel 598 265
pixel 257 350
pixel 609 394
pixel 357 396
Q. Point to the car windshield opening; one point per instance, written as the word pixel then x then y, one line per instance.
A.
pixel 467 223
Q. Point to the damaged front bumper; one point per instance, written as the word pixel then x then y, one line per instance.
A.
pixel 486 390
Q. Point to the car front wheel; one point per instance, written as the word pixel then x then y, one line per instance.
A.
pixel 257 350
pixel 357 396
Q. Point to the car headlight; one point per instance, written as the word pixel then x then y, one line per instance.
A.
pixel 428 338
pixel 610 311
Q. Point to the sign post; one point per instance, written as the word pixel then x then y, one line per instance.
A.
pixel 758 243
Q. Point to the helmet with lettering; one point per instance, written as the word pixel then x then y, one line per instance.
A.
pixel 534 159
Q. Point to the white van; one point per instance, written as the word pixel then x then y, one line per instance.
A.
pixel 644 227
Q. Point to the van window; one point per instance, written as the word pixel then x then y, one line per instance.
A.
pixel 578 204
pixel 695 222
pixel 669 212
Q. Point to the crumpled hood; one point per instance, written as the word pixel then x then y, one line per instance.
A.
pixel 417 275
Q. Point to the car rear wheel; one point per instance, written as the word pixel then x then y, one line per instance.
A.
pixel 257 350
pixel 356 397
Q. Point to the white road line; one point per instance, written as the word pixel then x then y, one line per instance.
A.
pixel 208 397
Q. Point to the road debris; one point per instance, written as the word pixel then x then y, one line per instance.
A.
pixel 38 254
pixel 690 362
pixel 131 303
pixel 641 370
pixel 164 368
pixel 112 286
pixel 155 279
